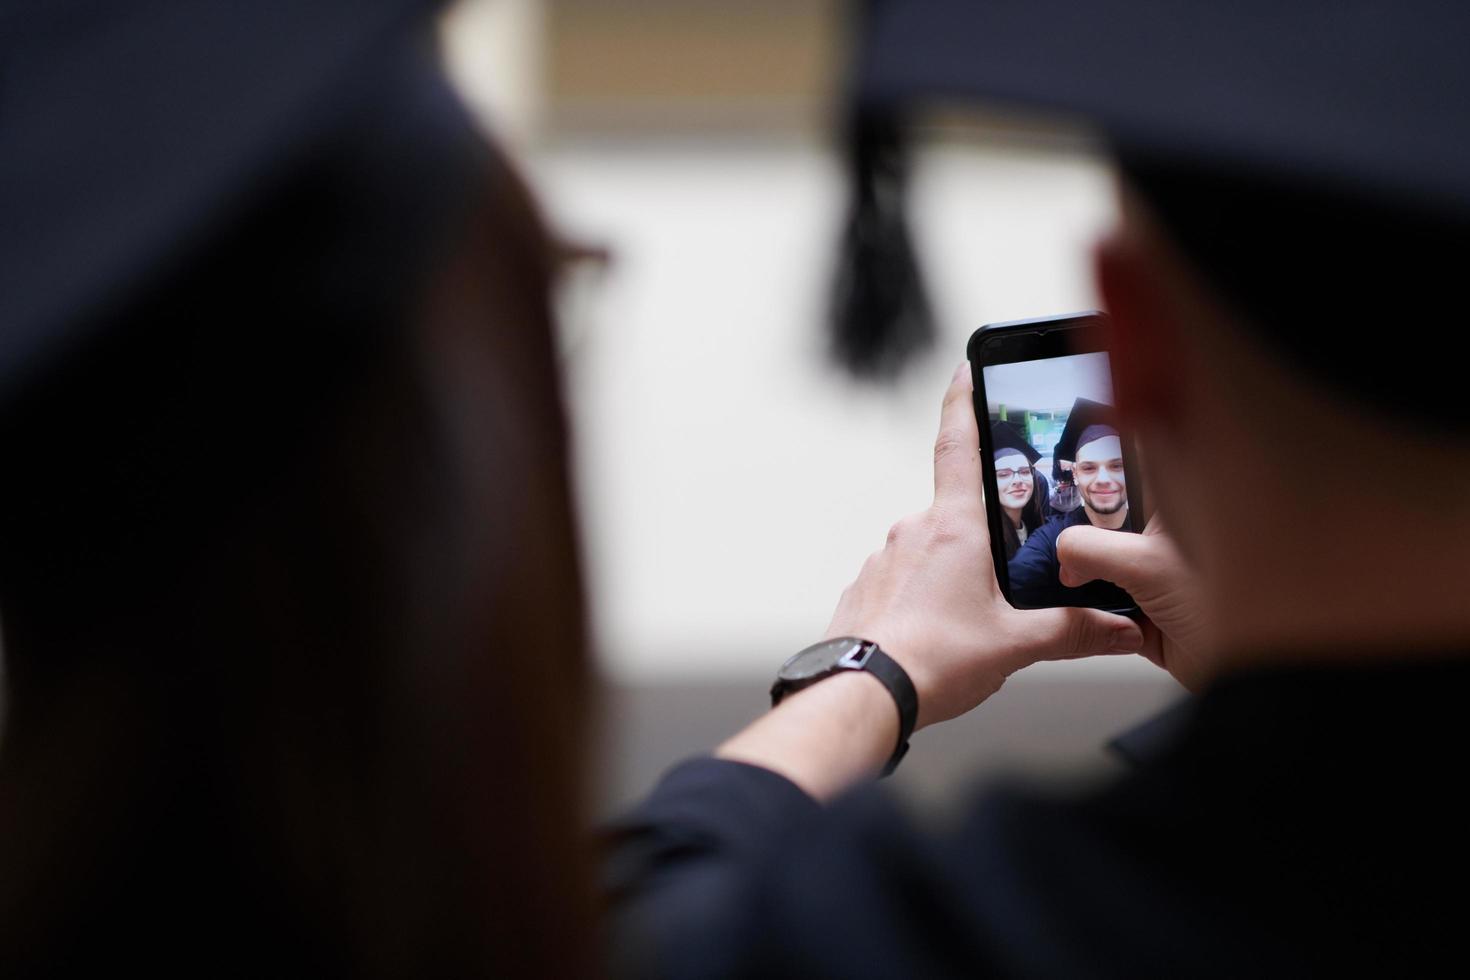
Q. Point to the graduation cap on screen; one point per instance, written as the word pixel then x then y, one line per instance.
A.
pixel 1009 438
pixel 1088 420
pixel 1360 102
pixel 133 131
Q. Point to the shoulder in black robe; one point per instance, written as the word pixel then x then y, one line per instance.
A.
pixel 1298 822
pixel 1034 577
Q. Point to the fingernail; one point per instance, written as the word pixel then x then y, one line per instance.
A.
pixel 960 371
pixel 1126 640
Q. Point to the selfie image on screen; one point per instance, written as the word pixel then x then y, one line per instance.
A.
pixel 1058 463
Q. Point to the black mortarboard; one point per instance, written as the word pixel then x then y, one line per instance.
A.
pixel 1087 419
pixel 1356 109
pixel 1370 96
pixel 132 130
pixel 1008 437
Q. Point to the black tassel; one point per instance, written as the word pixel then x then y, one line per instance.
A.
pixel 880 313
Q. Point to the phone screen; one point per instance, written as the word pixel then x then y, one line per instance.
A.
pixel 1055 460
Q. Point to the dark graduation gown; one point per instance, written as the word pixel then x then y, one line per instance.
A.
pixel 1033 572
pixel 1295 822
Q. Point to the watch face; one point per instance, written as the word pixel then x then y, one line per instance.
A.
pixel 817 660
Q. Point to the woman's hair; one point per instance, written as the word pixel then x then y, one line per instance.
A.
pixel 1037 510
pixel 1033 515
pixel 294 641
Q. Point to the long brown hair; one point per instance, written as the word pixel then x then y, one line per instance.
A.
pixel 293 624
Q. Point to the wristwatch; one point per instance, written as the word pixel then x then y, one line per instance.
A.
pixel 822 660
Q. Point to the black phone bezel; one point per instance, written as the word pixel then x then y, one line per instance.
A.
pixel 1041 338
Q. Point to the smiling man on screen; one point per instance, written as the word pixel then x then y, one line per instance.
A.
pixel 1090 440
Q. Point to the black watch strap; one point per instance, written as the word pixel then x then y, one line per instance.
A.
pixel 896 679
pixel 860 655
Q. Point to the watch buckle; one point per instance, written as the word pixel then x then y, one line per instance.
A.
pixel 857 658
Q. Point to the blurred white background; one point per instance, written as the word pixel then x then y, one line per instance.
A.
pixel 730 479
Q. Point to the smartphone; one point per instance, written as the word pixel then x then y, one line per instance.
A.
pixel 1052 452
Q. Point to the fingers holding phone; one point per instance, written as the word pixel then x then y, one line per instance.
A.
pixel 1044 404
pixel 930 599
pixel 1054 451
pixel 1152 571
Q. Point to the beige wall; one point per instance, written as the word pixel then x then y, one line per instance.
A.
pixel 691 63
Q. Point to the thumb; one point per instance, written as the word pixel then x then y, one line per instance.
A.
pixel 1066 633
pixel 1086 553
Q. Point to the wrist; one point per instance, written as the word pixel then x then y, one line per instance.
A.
pixel 824 737
pixel 821 662
pixel 900 645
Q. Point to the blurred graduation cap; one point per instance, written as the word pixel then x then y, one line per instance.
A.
pixel 1332 124
pixel 133 131
pixel 1088 420
pixel 1008 439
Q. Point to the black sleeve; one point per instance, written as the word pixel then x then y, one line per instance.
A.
pixel 729 870
pixel 679 868
pixel 1033 571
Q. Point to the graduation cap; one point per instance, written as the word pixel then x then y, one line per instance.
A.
pixel 133 131
pixel 1308 141
pixel 1088 420
pixel 1009 439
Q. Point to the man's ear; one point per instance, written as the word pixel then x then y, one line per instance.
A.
pixel 1148 367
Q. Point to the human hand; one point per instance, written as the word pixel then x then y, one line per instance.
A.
pixel 1149 568
pixel 930 598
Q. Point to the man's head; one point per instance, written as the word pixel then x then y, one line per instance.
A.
pixel 1284 283
pixel 1099 471
pixel 1093 451
pixel 1234 387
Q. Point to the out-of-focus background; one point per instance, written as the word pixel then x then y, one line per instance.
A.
pixel 731 480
